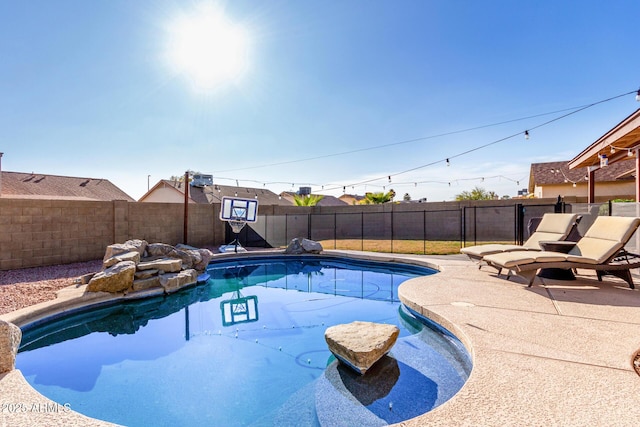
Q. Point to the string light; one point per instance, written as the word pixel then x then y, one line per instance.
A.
pixel 604 161
pixel 638 96
pixel 566 178
pixel 571 111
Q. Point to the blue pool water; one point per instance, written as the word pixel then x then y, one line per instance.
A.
pixel 247 348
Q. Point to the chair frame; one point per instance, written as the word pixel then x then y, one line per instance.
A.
pixel 619 265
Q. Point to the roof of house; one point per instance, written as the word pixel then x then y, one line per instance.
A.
pixel 351 198
pixel 325 201
pixel 214 193
pixel 553 173
pixel 41 186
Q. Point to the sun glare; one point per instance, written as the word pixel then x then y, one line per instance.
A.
pixel 206 48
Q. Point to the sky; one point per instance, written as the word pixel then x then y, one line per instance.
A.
pixel 347 96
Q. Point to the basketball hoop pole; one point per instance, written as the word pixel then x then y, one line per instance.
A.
pixel 236 227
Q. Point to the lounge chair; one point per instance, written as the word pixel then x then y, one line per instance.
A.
pixel 554 226
pixel 601 249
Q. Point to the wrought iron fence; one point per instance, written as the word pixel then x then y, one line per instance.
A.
pixel 418 232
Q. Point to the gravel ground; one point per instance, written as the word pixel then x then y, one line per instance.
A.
pixel 28 286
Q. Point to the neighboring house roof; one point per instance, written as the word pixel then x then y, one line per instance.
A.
pixel 553 173
pixel 325 201
pixel 351 199
pixel 41 186
pixel 213 193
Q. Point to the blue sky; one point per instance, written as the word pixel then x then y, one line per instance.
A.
pixel 329 96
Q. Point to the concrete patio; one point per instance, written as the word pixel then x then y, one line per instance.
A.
pixel 558 353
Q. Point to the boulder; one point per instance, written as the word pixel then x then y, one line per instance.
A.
pixel 167 265
pixel 117 249
pixel 303 246
pixel 10 336
pixel 205 259
pixel 127 256
pixel 311 246
pixel 201 257
pixel 140 245
pixel 146 283
pixel 184 256
pixel 159 249
pixel 359 345
pixel 117 278
pixel 145 274
pixel 172 282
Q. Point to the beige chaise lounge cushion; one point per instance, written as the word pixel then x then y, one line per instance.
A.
pixel 552 227
pixel 516 258
pixel 604 239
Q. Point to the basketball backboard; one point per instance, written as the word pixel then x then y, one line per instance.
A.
pixel 236 209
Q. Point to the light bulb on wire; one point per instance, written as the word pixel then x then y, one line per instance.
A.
pixel 526 134
pixel 638 96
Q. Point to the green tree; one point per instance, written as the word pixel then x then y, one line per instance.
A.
pixel 378 198
pixel 477 193
pixel 307 200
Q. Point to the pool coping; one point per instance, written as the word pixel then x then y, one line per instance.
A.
pixel 558 353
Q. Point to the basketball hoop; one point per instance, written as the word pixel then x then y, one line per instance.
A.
pixel 237 212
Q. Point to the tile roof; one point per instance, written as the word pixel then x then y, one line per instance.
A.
pixel 325 201
pixel 41 186
pixel 558 173
pixel 215 193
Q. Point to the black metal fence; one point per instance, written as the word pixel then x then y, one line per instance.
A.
pixel 419 232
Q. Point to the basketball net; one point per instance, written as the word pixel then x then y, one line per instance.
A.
pixel 236 225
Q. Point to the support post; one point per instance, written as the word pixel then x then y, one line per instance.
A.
pixel 186 207
pixel 591 196
pixel 1 174
pixel 637 152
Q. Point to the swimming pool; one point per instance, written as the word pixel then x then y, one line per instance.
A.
pixel 247 348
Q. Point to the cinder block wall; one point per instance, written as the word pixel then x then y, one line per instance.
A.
pixel 48 232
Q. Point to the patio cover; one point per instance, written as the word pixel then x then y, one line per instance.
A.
pixel 624 138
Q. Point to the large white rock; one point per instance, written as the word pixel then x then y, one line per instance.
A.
pixel 173 282
pixel 167 265
pixel 117 249
pixel 10 336
pixel 361 344
pixel 117 278
pixel 303 246
pixel 140 245
pixel 126 256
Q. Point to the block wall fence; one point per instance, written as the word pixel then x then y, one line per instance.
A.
pixel 49 232
pixel 35 232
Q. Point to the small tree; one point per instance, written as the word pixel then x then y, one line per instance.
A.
pixel 378 198
pixel 477 193
pixel 307 200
